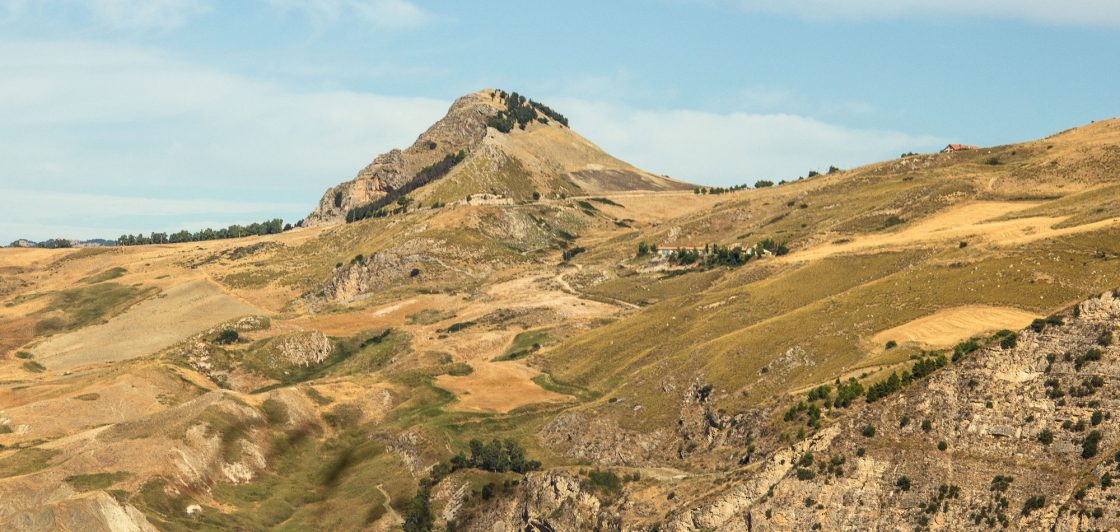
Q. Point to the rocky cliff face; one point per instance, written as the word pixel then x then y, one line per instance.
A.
pixel 462 128
pixel 1020 435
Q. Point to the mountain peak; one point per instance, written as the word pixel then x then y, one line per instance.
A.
pixel 489 142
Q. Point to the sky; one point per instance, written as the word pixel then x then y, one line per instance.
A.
pixel 132 116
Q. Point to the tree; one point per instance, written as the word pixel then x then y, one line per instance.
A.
pixel 227 336
pixel 1091 444
pixel 763 183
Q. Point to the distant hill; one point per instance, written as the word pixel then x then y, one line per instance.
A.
pixel 493 143
pixel 61 243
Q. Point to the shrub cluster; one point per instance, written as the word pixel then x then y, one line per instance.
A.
pixel 520 111
pixel 494 456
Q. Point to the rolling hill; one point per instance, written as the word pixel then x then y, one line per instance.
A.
pixel 926 342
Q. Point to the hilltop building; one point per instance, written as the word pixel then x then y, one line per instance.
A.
pixel 957 147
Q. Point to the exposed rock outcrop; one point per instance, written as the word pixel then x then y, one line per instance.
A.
pixel 1038 412
pixel 462 128
pixel 551 500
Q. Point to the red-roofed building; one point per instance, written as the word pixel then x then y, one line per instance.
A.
pixel 957 147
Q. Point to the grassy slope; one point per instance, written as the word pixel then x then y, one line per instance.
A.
pixel 725 326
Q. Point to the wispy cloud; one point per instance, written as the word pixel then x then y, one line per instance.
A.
pixel 1050 12
pixel 391 14
pixel 146 14
pixel 93 117
pixel 381 14
pixel 12 9
pixel 732 148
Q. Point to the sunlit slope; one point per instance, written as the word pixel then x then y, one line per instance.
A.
pixel 997 227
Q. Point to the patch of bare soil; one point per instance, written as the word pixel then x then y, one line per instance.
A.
pixel 152 325
pixel 975 221
pixel 948 327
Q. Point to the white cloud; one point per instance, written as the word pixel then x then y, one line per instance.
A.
pixel 391 14
pixel 381 14
pixel 88 116
pixel 732 148
pixel 146 14
pixel 12 9
pixel 1064 12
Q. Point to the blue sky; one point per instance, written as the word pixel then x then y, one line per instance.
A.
pixel 156 115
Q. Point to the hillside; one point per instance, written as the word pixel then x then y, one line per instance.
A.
pixel 494 144
pixel 926 342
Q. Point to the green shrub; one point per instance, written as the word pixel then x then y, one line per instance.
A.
pixel 1000 483
pixel 903 483
pixel 1090 446
pixel 25 355
pixel 276 412
pixel 572 252
pixel 868 431
pixel 763 183
pixel 343 416
pixel 1033 503
pixel 227 336
pixel 34 367
pixel 605 481
pixel 942 445
pixel 1046 437
pixel 891 344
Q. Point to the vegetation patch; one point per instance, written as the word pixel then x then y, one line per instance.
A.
pixel 96 481
pixel 87 305
pixel 25 461
pixel 106 275
pixel 430 316
pixel 525 344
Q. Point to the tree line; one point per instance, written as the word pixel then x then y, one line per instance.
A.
pixel 270 227
pixel 761 183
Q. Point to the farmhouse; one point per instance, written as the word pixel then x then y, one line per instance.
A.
pixel 957 147
pixel 666 251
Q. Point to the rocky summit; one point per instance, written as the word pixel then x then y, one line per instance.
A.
pixel 491 144
pixel 501 327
